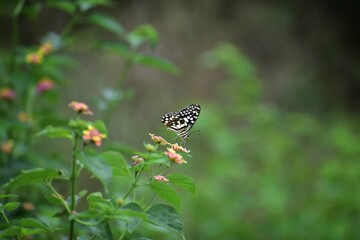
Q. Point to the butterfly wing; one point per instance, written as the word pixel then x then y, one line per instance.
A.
pixel 182 121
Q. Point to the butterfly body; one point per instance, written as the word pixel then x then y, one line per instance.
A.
pixel 182 121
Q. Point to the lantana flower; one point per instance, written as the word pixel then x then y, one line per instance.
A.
pixel 7 93
pixel 34 58
pixel 80 108
pixel 174 157
pixel 7 146
pixel 45 84
pixel 45 48
pixel 161 178
pixel 137 160
pixel 177 147
pixel 159 140
pixel 92 135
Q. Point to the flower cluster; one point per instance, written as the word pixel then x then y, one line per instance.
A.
pixel 24 117
pixel 38 56
pixel 137 160
pixel 92 135
pixel 44 85
pixel 171 152
pixel 7 93
pixel 80 107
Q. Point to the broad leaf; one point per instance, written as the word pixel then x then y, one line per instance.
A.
pixel 106 22
pixel 131 216
pixel 165 216
pixel 34 223
pixel 11 206
pixel 117 163
pixel 97 166
pixel 102 231
pixel 32 176
pixel 11 231
pixel 156 158
pixel 67 6
pixel 143 33
pixel 158 63
pixel 183 181
pixel 165 192
pixel 120 49
pixel 56 132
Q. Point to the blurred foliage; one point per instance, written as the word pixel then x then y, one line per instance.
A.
pixel 268 173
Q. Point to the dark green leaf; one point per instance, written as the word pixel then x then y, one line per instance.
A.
pixel 67 6
pixel 85 5
pixel 56 132
pixel 158 63
pixel 130 216
pixel 165 192
pixel 11 206
pixel 106 22
pixel 34 223
pixel 11 231
pixel 165 216
pixel 117 163
pixel 8 196
pixel 102 231
pixel 97 166
pixel 32 176
pixel 140 238
pixel 183 181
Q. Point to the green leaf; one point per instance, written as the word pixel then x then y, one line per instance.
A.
pixel 97 166
pixel 165 216
pixel 102 231
pixel 11 231
pixel 66 6
pixel 56 132
pixel 98 203
pixel 8 196
pixel 106 22
pixel 140 238
pixel 11 206
pixel 85 5
pixel 156 158
pixel 34 223
pixel 183 181
pixel 158 63
pixel 130 216
pixel 143 33
pixel 32 176
pixel 117 163
pixel 165 192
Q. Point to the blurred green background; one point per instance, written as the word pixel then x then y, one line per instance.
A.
pixel 277 156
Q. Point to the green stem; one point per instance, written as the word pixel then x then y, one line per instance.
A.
pixel 58 196
pixel 73 186
pixel 122 235
pixel 7 221
pixel 70 25
pixel 134 184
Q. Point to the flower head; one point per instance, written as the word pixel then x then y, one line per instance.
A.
pixel 174 157
pixel 34 58
pixel 7 146
pixel 161 178
pixel 92 135
pixel 7 93
pixel 159 140
pixel 137 160
pixel 45 84
pixel 45 48
pixel 28 206
pixel 80 108
pixel 177 147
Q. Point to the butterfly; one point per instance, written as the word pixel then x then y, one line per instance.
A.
pixel 182 121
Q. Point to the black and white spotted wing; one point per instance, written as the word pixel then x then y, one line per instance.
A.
pixel 182 121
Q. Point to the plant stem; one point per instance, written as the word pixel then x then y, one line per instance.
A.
pixel 134 184
pixel 73 186
pixel 7 221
